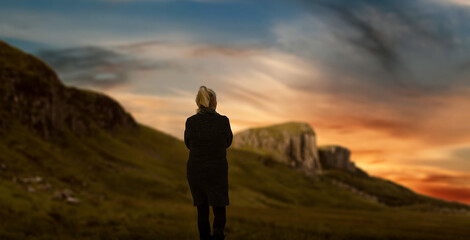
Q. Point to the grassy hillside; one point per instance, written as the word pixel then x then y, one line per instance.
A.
pixel 279 131
pixel 133 186
pixel 88 179
pixel 368 187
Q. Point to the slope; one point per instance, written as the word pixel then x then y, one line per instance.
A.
pixel 89 177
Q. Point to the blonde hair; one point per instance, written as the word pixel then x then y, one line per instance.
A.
pixel 204 98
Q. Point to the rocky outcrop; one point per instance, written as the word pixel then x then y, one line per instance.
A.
pixel 337 157
pixel 32 94
pixel 292 143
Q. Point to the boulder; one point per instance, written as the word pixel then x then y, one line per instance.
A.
pixel 66 195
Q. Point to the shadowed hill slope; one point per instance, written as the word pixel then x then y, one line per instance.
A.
pixel 32 94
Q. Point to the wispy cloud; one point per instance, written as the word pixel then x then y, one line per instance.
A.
pixel 387 79
pixel 257 82
pixel 412 43
pixel 245 77
pixel 456 2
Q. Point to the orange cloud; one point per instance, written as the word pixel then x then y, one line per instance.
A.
pixel 460 194
pixel 399 134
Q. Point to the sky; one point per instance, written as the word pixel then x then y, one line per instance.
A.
pixel 390 79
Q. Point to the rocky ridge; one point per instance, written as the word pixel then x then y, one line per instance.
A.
pixel 32 94
pixel 338 157
pixel 292 143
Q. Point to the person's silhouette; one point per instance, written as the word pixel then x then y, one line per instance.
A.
pixel 207 135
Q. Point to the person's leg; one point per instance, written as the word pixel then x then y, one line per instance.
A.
pixel 219 221
pixel 203 222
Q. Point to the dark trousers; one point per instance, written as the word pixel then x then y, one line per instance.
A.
pixel 203 220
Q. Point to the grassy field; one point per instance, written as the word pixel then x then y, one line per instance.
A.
pixel 132 185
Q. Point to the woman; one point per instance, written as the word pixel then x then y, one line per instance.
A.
pixel 207 135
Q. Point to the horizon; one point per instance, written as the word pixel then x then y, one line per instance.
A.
pixel 387 80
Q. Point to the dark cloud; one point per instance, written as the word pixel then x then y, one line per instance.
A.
pixel 94 66
pixel 370 39
pixel 78 57
pixel 88 65
pixel 412 42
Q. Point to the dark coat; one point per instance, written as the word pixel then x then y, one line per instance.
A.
pixel 207 135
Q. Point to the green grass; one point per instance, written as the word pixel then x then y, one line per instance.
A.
pixel 291 127
pixel 277 131
pixel 132 185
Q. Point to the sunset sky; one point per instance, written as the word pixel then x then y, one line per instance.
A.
pixel 388 79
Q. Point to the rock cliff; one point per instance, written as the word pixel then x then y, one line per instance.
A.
pixel 292 143
pixel 338 157
pixel 32 94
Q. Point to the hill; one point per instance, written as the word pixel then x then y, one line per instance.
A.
pixel 287 141
pixel 75 165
